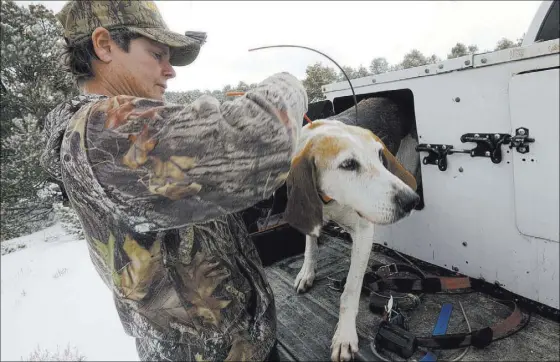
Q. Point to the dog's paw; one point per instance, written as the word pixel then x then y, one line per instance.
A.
pixel 344 343
pixel 305 278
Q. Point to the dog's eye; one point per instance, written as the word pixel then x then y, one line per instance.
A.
pixel 383 158
pixel 350 165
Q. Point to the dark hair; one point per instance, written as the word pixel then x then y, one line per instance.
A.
pixel 78 57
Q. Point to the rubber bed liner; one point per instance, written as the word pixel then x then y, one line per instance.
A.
pixel 306 322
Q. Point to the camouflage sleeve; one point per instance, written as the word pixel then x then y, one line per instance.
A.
pixel 165 166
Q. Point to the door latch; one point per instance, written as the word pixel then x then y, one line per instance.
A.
pixel 520 140
pixel 487 145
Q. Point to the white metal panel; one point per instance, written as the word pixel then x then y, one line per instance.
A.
pixel 450 65
pixel 469 221
pixel 518 53
pixel 534 104
pixel 445 66
pixel 454 64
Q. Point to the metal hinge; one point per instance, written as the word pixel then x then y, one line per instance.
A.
pixel 437 154
pixel 487 145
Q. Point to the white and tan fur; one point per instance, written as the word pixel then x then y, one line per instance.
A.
pixel 346 164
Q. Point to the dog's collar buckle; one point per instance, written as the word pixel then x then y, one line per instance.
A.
pixel 386 270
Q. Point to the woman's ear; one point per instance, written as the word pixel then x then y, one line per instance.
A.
pixel 102 45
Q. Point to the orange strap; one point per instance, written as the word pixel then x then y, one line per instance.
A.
pixel 234 94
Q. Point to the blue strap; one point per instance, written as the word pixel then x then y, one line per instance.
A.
pixel 429 357
pixel 443 320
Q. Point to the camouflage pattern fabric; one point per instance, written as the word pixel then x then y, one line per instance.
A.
pixel 81 17
pixel 158 188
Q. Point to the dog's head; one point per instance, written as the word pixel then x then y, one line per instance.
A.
pixel 352 166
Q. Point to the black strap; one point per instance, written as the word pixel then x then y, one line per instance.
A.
pixel 481 337
pixel 404 290
pixel 420 284
pixel 384 270
pixel 433 284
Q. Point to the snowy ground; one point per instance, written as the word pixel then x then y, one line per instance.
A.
pixel 52 299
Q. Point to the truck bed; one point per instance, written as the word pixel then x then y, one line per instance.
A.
pixel 306 322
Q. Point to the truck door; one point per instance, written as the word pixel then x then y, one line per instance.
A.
pixel 533 98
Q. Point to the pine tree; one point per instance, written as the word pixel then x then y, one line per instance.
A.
pixel 33 81
pixel 317 75
pixel 27 198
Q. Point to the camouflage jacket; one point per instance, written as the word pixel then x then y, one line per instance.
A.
pixel 158 188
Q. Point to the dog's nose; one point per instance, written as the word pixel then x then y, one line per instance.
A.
pixel 407 200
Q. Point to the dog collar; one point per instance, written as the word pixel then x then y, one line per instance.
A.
pixel 325 198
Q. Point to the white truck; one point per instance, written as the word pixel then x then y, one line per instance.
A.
pixel 487 136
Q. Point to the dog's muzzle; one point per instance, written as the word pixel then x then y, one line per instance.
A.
pixel 406 201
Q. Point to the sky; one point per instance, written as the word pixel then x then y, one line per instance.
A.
pixel 350 32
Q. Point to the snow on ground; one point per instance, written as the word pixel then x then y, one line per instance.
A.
pixel 52 299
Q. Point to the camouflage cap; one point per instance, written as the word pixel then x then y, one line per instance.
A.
pixel 81 17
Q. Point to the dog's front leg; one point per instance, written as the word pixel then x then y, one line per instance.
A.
pixel 306 275
pixel 345 339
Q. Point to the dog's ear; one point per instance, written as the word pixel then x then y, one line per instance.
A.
pixel 396 168
pixel 304 210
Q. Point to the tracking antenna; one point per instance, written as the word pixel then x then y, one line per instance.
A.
pixel 326 56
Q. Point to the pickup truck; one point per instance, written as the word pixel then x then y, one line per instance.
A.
pixel 491 212
pixel 487 150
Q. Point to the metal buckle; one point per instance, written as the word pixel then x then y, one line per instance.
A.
pixel 394 315
pixel 386 270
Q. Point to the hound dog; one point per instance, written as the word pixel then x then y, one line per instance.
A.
pixel 344 172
